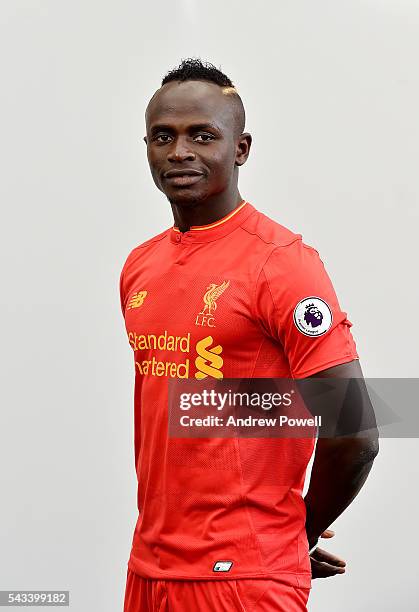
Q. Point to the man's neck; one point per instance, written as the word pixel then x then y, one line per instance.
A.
pixel 206 212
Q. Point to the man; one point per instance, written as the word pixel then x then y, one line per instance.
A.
pixel 222 523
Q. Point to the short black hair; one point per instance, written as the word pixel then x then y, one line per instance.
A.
pixel 194 69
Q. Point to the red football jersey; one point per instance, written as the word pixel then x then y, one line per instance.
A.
pixel 250 289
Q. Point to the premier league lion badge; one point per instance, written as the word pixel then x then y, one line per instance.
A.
pixel 313 316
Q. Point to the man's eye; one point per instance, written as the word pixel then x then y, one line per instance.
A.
pixel 204 137
pixel 162 137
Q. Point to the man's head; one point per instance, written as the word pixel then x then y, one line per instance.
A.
pixel 195 140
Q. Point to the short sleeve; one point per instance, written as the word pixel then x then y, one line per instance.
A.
pixel 296 304
pixel 121 292
pixel 124 282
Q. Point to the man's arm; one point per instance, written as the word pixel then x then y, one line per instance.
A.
pixel 341 465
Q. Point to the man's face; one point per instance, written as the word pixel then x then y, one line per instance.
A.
pixel 191 145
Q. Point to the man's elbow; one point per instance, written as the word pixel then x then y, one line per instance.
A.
pixel 362 450
pixel 369 450
pixel 359 450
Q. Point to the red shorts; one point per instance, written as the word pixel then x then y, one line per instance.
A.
pixel 245 595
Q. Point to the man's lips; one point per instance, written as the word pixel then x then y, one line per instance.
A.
pixel 182 172
pixel 183 178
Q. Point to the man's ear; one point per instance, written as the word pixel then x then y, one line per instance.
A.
pixel 145 139
pixel 243 148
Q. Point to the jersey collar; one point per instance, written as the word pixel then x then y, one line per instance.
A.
pixel 217 229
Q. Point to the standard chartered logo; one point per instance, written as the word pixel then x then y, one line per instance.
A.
pixel 208 362
pixel 162 355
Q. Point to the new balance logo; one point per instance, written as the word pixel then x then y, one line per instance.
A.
pixel 222 566
pixel 137 299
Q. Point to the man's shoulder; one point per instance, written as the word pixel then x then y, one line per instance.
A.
pixel 269 231
pixel 150 241
pixel 278 246
pixel 145 247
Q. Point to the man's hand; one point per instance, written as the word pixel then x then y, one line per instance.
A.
pixel 323 563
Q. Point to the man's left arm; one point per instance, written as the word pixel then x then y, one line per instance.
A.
pixel 340 468
pixel 296 304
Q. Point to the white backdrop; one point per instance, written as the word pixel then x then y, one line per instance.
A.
pixel 331 93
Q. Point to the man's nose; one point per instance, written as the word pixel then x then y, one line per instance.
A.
pixel 180 151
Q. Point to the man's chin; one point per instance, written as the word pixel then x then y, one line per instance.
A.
pixel 185 197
